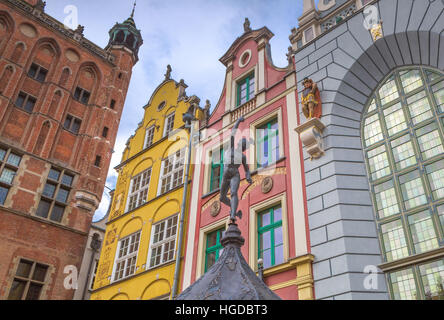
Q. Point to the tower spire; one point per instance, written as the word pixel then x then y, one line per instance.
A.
pixel 134 9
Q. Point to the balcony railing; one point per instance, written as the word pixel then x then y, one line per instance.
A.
pixel 243 109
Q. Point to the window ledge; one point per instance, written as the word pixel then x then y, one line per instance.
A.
pixel 413 259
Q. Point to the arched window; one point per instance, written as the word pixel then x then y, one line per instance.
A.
pixel 17 53
pixel 403 140
pixel 4 81
pixel 64 77
pixel 120 36
pixel 42 138
pixel 130 40
pixel 54 104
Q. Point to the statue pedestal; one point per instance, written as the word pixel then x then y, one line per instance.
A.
pixel 310 133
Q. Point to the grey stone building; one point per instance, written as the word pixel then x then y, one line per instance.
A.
pixel 376 197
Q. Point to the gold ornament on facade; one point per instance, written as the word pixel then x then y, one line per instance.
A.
pixel 376 31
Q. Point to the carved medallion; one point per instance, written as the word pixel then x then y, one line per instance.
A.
pixel 267 184
pixel 215 208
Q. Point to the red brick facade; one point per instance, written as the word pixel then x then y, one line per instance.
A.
pixel 58 132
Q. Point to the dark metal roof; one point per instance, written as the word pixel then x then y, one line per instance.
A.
pixel 230 278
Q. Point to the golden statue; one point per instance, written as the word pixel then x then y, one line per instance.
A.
pixel 311 100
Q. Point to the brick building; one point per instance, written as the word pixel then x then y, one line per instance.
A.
pixel 61 99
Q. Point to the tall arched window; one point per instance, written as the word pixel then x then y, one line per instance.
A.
pixel 4 80
pixel 403 140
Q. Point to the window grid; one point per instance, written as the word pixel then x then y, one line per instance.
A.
pixel 9 164
pixel 432 277
pixel 163 243
pixel 270 237
pixel 172 171
pixel 149 138
pixel 403 285
pixel 29 281
pixel 126 257
pixel 169 124
pixel 245 90
pixel 423 233
pixel 213 248
pixel 267 143
pixel 406 171
pixel 217 169
pixel 139 188
pixel 55 195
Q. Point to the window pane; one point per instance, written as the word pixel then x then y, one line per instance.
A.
pixel 423 232
pixel 54 174
pixel 278 238
pixel 30 104
pixel 435 174
pixel 266 256
pixel 429 141
pixel 24 268
pixel 277 214
pixel 432 76
pixel 419 107
pixel 2 154
pixel 411 80
pixel 372 130
pixel 265 240
pixel 395 119
pixel 265 219
pixel 210 260
pixel 412 190
pixel 14 159
pixel 432 275
pixel 42 75
pixel 62 195
pixel 34 291
pixel 17 289
pixel 7 176
pixel 3 194
pixel 33 70
pixel 20 99
pixel 67 180
pixel 40 272
pixel 438 92
pixel 403 285
pixel 57 213
pixel 388 91
pixel 378 162
pixel 43 209
pixel 212 239
pixel 441 215
pixel 395 244
pixel 85 97
pixel 76 126
pixel 386 201
pixel 279 255
pixel 403 152
pixel 49 190
pixel 372 106
pixel 77 93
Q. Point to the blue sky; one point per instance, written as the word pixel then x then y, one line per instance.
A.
pixel 190 35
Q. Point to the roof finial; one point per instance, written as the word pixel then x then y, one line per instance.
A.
pixel 134 9
pixel 247 25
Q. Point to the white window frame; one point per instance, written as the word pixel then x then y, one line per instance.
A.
pixel 139 192
pixel 163 242
pixel 178 164
pixel 93 275
pixel 127 257
pixel 167 131
pixel 148 130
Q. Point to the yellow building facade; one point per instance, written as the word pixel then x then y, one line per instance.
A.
pixel 138 257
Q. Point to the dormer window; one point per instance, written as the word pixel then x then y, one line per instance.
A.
pixel 245 89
